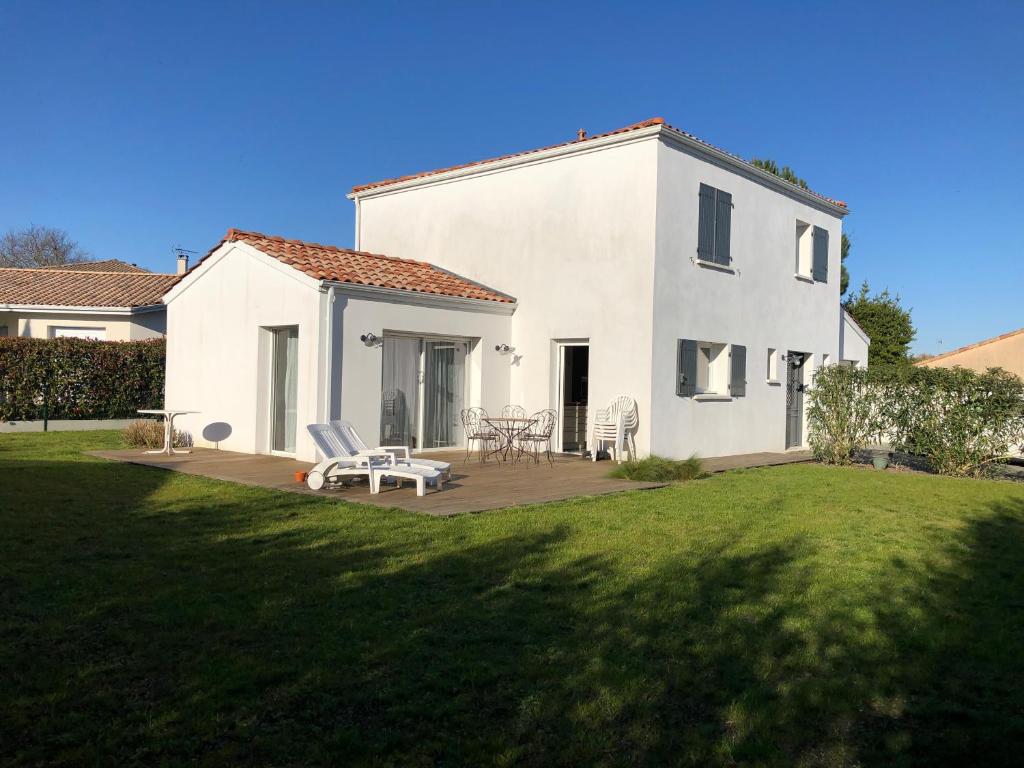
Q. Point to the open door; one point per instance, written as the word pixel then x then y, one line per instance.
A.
pixel 574 367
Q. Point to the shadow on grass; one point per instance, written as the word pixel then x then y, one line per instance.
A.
pixel 168 619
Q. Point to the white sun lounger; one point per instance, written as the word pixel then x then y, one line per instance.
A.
pixel 344 461
pixel 348 434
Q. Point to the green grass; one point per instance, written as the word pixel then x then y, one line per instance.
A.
pixel 797 615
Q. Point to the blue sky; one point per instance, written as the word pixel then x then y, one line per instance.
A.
pixel 141 126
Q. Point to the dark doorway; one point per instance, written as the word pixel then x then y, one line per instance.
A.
pixel 575 371
pixel 795 362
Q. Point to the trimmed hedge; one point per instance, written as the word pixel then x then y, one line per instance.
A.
pixel 959 420
pixel 86 379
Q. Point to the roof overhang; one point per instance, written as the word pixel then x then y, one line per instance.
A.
pixel 54 309
pixel 419 298
pixel 659 131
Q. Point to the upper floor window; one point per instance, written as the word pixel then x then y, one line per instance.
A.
pixel 714 224
pixel 811 252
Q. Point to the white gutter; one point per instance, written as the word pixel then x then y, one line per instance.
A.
pixel 590 145
pixel 53 309
pixel 327 356
pixel 403 296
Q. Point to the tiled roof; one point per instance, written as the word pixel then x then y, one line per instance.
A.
pixel 328 262
pixel 977 344
pixel 634 127
pixel 107 265
pixel 76 288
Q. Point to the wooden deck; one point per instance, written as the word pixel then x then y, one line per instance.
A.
pixel 474 487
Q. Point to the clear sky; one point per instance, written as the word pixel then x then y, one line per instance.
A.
pixel 138 127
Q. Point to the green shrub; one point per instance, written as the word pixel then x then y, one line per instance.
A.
pixel 961 421
pixel 149 433
pixel 657 469
pixel 82 378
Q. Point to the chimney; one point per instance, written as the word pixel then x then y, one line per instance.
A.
pixel 182 263
pixel 581 135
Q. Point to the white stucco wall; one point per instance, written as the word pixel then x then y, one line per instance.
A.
pixel 214 363
pixel 118 327
pixel 356 381
pixel 761 305
pixel 571 238
pixel 853 342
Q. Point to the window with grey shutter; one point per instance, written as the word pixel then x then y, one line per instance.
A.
pixel 714 225
pixel 738 372
pixel 706 224
pixel 686 367
pixel 819 267
pixel 723 224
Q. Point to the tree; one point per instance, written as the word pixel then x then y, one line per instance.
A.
pixel 786 172
pixel 886 322
pixel 39 247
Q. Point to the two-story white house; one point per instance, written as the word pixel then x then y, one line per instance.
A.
pixel 641 261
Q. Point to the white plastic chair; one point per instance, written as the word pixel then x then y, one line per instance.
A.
pixel 348 434
pixel 342 459
pixel 615 425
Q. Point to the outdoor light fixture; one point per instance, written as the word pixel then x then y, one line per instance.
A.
pixel 502 349
pixel 369 339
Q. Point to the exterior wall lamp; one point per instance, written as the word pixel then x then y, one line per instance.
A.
pixel 369 339
pixel 503 349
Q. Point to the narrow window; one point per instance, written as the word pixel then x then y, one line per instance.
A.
pixel 819 265
pixel 773 365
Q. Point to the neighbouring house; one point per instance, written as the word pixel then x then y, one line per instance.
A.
pixel 641 261
pixel 1006 351
pixel 107 300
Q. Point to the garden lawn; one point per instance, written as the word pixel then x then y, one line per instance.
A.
pixel 797 615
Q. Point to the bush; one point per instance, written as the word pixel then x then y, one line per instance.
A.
pixel 83 379
pixel 961 421
pixel 149 433
pixel 657 469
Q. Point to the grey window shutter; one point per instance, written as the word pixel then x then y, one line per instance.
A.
pixel 819 269
pixel 738 377
pixel 723 226
pixel 706 224
pixel 686 367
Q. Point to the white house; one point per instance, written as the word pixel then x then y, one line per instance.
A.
pixel 105 300
pixel 641 262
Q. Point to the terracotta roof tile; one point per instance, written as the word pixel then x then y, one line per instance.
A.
pixel 328 262
pixel 77 288
pixel 634 127
pixel 107 265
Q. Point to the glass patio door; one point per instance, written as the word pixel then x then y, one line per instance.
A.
pixel 400 390
pixel 423 391
pixel 444 391
pixel 284 389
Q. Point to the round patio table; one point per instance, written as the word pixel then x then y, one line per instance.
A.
pixel 507 429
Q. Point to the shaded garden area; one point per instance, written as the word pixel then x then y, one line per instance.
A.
pixel 798 615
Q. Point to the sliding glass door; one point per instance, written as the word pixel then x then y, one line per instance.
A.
pixel 400 391
pixel 444 391
pixel 423 391
pixel 284 389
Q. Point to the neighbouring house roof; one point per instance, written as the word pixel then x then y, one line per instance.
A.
pixel 82 288
pixel 343 265
pixel 977 344
pixel 107 265
pixel 654 121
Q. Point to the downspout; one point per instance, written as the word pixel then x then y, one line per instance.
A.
pixel 328 353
